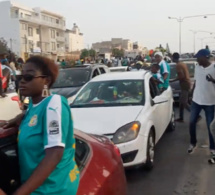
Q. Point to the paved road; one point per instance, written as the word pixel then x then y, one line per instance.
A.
pixel 175 171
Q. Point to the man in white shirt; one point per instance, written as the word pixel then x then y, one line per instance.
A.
pixel 203 97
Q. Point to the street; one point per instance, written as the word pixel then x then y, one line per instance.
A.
pixel 175 171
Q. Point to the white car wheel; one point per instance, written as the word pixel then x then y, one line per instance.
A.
pixel 172 124
pixel 150 151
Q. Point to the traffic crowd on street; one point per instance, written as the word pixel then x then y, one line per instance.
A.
pixel 51 156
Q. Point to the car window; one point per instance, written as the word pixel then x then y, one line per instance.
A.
pixel 191 69
pixel 72 78
pixel 82 151
pixel 111 93
pixel 154 91
pixel 95 73
pixel 173 71
pixel 102 70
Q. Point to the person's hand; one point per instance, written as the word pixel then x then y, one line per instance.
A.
pixel 2 193
pixel 9 124
pixel 14 122
pixel 210 78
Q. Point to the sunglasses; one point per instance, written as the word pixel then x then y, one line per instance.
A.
pixel 28 77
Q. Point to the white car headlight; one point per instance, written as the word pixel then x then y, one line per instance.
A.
pixel 127 133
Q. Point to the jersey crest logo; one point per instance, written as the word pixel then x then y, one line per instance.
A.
pixel 33 121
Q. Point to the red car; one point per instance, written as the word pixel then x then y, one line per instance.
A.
pixel 99 162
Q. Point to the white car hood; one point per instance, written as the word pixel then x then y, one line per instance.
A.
pixel 104 120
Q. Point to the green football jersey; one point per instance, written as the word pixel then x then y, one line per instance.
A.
pixel 46 125
pixel 165 68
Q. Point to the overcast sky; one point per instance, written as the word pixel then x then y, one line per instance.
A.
pixel 145 21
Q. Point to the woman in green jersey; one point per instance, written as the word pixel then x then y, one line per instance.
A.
pixel 46 144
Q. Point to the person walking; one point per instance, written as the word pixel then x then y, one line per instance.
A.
pixel 203 98
pixel 164 69
pixel 185 84
pixel 212 125
pixel 46 143
pixel 2 94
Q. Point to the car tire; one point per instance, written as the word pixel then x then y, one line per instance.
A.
pixel 172 124
pixel 150 151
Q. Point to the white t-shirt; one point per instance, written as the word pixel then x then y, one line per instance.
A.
pixel 163 66
pixel 204 93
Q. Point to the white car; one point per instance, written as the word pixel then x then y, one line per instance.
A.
pixel 129 109
pixel 9 106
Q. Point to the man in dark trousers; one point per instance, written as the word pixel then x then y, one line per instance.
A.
pixel 184 79
pixel 203 97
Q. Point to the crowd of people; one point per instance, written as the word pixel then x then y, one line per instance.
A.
pixel 9 71
pixel 46 144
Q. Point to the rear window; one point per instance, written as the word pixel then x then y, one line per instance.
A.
pixel 72 78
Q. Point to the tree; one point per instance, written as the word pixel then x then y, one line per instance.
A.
pixel 92 53
pixel 117 52
pixel 3 46
pixel 84 53
pixel 88 53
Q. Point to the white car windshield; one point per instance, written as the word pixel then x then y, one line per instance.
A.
pixel 111 93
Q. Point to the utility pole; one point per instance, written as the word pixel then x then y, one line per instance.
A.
pixel 11 45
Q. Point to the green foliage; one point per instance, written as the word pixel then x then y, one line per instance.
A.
pixel 3 46
pixel 92 53
pixel 88 53
pixel 84 53
pixel 118 52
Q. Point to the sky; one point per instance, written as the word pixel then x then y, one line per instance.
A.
pixel 138 20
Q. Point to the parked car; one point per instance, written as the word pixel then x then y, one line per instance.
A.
pixel 99 162
pixel 70 80
pixel 127 108
pixel 176 85
pixel 9 106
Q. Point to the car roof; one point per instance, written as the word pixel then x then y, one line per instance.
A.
pixel 121 76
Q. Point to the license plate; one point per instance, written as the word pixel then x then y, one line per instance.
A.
pixel 176 95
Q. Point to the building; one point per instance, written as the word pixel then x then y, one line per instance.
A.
pixel 136 50
pixel 74 39
pixel 119 43
pixel 32 31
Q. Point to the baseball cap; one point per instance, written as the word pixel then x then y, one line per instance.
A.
pixel 203 53
pixel 159 54
pixel 4 61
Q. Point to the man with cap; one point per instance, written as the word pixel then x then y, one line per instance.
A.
pixel 164 69
pixel 203 97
